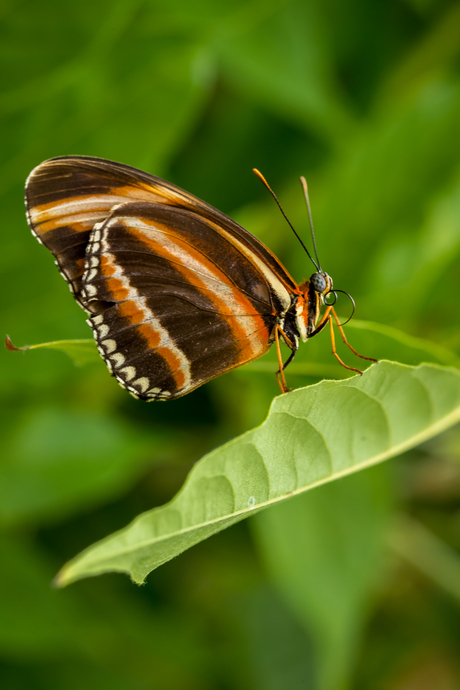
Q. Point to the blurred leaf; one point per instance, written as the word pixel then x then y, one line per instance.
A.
pixel 280 53
pixel 121 645
pixel 324 550
pixel 385 342
pixel 94 87
pixel 420 547
pixel 417 266
pixel 311 436
pixel 281 650
pixel 383 185
pixel 56 460
pixel 33 622
pixel 437 49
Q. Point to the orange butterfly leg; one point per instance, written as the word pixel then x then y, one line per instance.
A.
pixel 280 377
pixel 370 359
pixel 323 318
pixel 334 351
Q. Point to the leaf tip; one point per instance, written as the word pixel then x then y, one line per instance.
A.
pixel 62 579
pixel 11 347
pixel 58 582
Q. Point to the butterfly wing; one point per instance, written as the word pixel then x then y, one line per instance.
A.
pixel 175 302
pixel 178 292
pixel 67 196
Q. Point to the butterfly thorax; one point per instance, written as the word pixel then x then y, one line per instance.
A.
pixel 309 303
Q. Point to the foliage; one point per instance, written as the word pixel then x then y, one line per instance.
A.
pixel 315 435
pixel 364 100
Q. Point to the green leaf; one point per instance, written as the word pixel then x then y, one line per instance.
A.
pixel 81 351
pixel 311 436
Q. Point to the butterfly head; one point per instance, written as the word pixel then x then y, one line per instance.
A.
pixel 321 284
pixel 322 290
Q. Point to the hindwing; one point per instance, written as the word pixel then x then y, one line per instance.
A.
pixel 167 316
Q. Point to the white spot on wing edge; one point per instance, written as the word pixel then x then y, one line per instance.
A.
pixel 89 290
pixel 143 383
pixel 109 346
pixel 128 372
pixel 118 359
pixel 102 331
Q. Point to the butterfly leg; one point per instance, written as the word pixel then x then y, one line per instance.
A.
pixel 280 377
pixel 370 359
pixel 334 351
pixel 322 323
pixel 327 317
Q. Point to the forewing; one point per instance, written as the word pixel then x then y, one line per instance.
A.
pixel 67 196
pixel 175 301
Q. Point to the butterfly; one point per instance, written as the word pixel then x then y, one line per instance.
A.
pixel 177 293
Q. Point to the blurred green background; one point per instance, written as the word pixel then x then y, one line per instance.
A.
pixel 354 585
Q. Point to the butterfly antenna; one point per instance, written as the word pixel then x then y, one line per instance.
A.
pixel 262 178
pixel 307 200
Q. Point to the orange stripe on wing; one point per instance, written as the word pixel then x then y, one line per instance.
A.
pixel 154 193
pixel 78 223
pixel 77 270
pixel 119 291
pixel 130 311
pixel 83 211
pixel 150 335
pixel 206 276
pixel 174 365
pixel 107 267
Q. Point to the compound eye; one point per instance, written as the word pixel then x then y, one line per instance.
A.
pixel 319 282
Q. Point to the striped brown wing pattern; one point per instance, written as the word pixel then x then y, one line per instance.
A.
pixel 67 196
pixel 178 302
pixel 178 293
